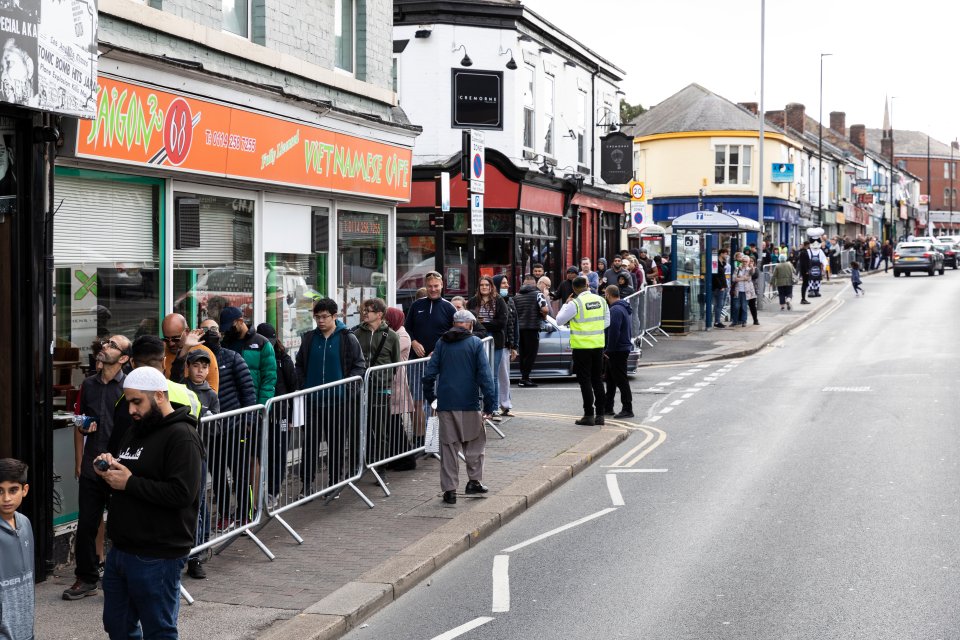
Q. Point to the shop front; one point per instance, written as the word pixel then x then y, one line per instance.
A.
pixel 181 202
pixel 781 218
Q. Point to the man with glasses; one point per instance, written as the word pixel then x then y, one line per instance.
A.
pixel 380 345
pixel 97 400
pixel 180 341
pixel 327 354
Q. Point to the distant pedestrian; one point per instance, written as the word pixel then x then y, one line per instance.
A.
pixel 855 278
pixel 624 284
pixel 588 316
pixel 565 288
pixel 738 290
pixel 381 346
pixel 427 320
pixel 586 270
pixel 458 302
pixel 719 289
pixel 282 413
pixel 16 554
pixel 752 288
pixel 783 277
pixel 256 351
pixel 491 311
pixel 531 310
pixel 401 401
pixel 886 255
pixel 198 371
pixel 511 341
pixel 617 347
pixel 456 376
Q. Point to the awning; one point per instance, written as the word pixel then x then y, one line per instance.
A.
pixel 601 204
pixel 714 221
pixel 647 230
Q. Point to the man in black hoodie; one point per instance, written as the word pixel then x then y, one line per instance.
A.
pixel 155 487
pixel 531 309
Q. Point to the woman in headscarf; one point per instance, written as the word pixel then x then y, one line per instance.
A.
pixel 401 401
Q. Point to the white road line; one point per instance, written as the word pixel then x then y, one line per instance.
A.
pixel 703 366
pixel 666 410
pixel 676 378
pixel 676 403
pixel 664 384
pixel 687 396
pixel 614 488
pixel 694 389
pixel 501 584
pixel 653 419
pixel 462 629
pixel 702 384
pixel 553 532
pixel 639 470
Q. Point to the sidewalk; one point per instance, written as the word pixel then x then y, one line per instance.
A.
pixel 356 560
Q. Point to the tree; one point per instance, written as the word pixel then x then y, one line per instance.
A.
pixel 629 111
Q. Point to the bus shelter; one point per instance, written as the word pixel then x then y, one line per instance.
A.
pixel 695 256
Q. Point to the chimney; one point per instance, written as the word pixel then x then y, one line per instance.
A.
pixel 838 122
pixel 955 145
pixel 777 119
pixel 752 107
pixel 886 147
pixel 795 113
pixel 858 136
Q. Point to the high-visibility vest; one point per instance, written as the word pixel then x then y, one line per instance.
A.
pixel 180 394
pixel 586 328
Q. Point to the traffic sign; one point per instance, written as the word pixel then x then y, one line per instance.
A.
pixel 638 191
pixel 638 213
pixel 477 161
pixel 476 213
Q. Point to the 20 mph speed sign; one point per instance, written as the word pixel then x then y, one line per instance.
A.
pixel 637 191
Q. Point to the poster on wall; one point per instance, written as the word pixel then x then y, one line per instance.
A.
pixel 49 57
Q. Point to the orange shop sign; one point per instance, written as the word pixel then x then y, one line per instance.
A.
pixel 142 126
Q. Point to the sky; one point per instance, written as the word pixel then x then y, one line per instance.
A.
pixel 904 50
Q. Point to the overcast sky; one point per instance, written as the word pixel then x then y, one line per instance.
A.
pixel 906 48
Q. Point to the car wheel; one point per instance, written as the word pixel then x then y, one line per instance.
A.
pixel 908 273
pixel 931 272
pixel 896 274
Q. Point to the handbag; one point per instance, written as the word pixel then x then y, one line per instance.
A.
pixel 431 441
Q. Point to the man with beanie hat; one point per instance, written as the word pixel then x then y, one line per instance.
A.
pixel 155 500
pixel 460 362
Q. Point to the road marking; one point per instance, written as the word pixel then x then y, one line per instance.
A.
pixel 553 532
pixel 703 366
pixel 664 384
pixel 501 584
pixel 676 403
pixel 687 396
pixel 462 629
pixel 676 378
pixel 837 303
pixel 648 438
pixel 702 384
pixel 614 488
pixel 694 389
pixel 654 418
pixel 639 470
pixel 847 389
pixel 666 410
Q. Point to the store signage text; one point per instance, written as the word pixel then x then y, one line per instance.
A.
pixel 138 125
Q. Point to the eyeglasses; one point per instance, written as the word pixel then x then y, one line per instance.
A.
pixel 111 344
pixel 370 311
pixel 171 340
pixel 322 316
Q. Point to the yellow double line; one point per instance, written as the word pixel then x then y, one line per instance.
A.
pixel 653 437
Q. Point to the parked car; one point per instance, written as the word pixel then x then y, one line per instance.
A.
pixel 554 359
pixel 951 253
pixel 917 256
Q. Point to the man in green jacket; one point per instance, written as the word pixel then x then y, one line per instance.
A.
pixel 380 345
pixel 256 351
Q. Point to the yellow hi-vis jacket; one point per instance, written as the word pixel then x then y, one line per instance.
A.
pixel 586 328
pixel 180 394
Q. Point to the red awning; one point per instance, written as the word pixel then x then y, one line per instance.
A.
pixel 611 206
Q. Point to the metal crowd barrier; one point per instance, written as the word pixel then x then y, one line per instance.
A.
pixel 230 495
pixel 653 307
pixel 638 307
pixel 846 257
pixel 769 291
pixel 316 446
pixel 395 428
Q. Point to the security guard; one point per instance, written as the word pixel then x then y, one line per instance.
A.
pixel 588 316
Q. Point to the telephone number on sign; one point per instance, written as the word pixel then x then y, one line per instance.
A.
pixel 226 140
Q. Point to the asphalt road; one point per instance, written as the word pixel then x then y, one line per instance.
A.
pixel 809 491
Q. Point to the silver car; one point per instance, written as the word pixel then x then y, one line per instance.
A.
pixel 554 359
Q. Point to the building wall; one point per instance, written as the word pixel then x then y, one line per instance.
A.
pixel 425 94
pixel 937 183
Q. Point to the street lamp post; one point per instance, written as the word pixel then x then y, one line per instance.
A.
pixel 820 148
pixel 952 170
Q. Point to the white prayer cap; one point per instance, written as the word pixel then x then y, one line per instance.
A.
pixel 145 379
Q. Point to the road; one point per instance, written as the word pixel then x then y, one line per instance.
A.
pixel 809 491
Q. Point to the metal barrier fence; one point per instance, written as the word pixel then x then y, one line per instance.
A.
pixel 653 307
pixel 846 258
pixel 230 492
pixel 395 417
pixel 316 446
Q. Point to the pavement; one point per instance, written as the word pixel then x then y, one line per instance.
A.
pixel 354 561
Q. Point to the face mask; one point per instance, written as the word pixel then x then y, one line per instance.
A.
pixel 232 334
pixel 211 339
pixel 504 293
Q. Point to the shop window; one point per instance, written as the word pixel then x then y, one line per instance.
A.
pixel 295 280
pixel 107 280
pixel 416 254
pixel 219 272
pixel 548 104
pixel 345 34
pixel 361 251
pixel 583 126
pixel 529 106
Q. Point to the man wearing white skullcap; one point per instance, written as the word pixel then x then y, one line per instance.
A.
pixel 155 487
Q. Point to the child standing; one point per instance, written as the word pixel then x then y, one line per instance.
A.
pixel 855 278
pixel 198 368
pixel 16 554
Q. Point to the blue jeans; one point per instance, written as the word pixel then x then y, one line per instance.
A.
pixel 738 309
pixel 497 357
pixel 141 596
pixel 719 296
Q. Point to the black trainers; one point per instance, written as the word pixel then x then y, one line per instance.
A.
pixel 599 420
pixel 195 569
pixel 450 497
pixel 474 486
pixel 626 413
pixel 609 412
pixel 585 421
pixel 80 590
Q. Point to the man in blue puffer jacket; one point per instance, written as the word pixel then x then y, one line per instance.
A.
pixel 616 352
pixel 460 361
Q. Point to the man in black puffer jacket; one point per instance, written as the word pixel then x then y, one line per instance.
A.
pixel 237 438
pixel 531 309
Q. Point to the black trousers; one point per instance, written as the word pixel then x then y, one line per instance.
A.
pixel 529 347
pixel 336 423
pixel 617 379
pixel 804 285
pixel 92 499
pixel 588 367
pixel 753 308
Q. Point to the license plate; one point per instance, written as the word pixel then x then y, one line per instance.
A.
pixel 910 259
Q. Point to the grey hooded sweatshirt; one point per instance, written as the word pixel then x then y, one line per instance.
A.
pixel 16 580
